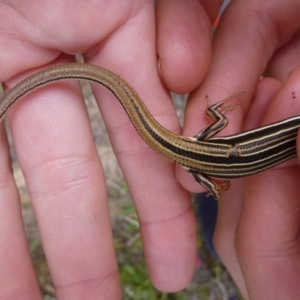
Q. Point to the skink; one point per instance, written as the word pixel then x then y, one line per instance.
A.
pixel 204 156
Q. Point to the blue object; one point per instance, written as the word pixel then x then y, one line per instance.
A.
pixel 207 211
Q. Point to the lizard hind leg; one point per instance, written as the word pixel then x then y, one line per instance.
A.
pixel 216 113
pixel 213 188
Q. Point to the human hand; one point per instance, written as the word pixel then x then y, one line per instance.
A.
pixel 257 229
pixel 53 140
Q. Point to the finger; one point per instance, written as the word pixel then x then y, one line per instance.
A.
pixel 183 43
pixel 265 91
pixel 164 208
pixel 66 183
pixel 13 250
pixel 235 65
pixel 285 60
pixel 30 37
pixel 229 212
pixel 267 245
pixel 267 239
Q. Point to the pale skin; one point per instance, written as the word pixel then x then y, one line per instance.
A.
pixel 56 152
pixel 64 175
pixel 257 234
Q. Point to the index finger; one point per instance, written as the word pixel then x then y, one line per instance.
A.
pixel 164 208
